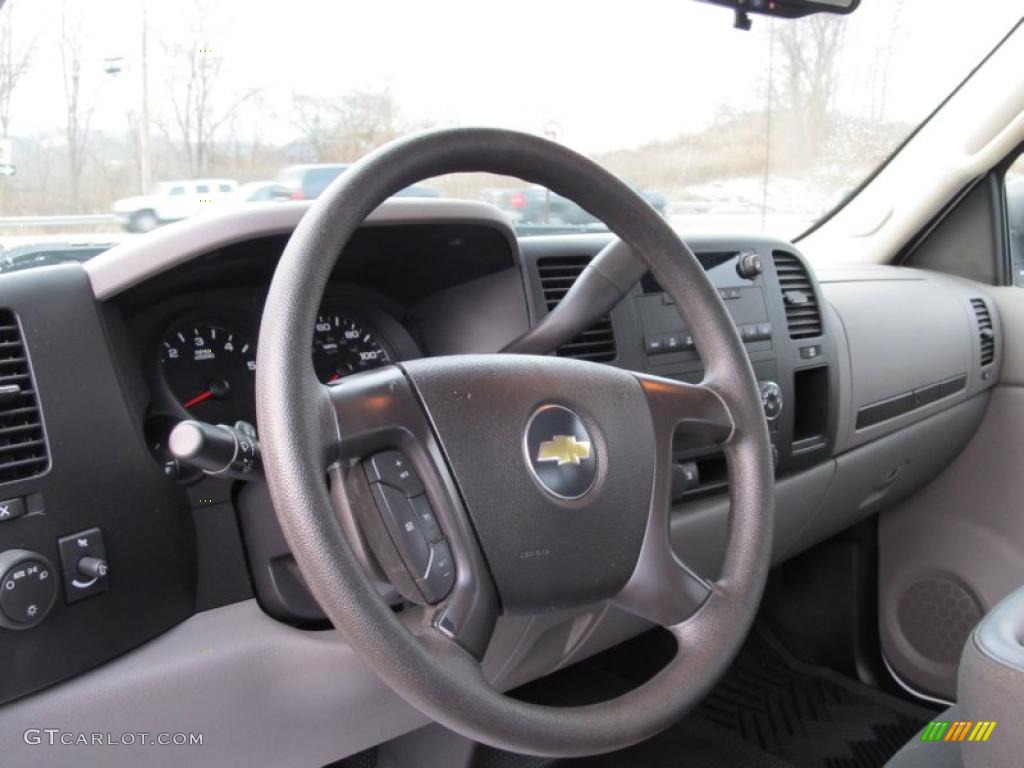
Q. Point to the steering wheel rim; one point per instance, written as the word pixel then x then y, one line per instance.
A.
pixel 307 427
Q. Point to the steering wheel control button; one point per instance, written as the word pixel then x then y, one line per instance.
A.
pixel 560 452
pixel 28 588
pixel 404 528
pixel 440 575
pixel 11 508
pixel 428 521
pixel 83 560
pixel 394 469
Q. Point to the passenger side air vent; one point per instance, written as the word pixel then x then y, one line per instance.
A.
pixel 22 441
pixel 986 333
pixel 557 274
pixel 803 317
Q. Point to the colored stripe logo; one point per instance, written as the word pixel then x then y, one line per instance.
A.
pixel 958 730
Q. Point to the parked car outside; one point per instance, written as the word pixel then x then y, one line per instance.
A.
pixel 260 192
pixel 537 205
pixel 306 182
pixel 171 201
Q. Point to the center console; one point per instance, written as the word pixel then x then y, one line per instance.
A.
pixel 777 307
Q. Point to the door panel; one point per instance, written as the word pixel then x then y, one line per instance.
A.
pixel 954 549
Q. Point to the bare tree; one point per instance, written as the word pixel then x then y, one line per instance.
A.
pixel 314 119
pixel 15 61
pixel 77 113
pixel 192 87
pixel 810 50
pixel 343 129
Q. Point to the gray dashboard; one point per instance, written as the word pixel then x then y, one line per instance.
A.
pixel 245 657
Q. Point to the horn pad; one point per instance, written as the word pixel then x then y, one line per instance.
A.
pixel 555 462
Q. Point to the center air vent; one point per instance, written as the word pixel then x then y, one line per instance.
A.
pixel 557 274
pixel 803 317
pixel 22 441
pixel 986 333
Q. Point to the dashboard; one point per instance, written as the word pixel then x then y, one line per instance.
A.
pixel 166 327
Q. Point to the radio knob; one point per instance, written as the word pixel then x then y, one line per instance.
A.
pixel 28 587
pixel 771 399
pixel 749 265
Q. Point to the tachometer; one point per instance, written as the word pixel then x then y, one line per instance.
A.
pixel 209 370
pixel 343 345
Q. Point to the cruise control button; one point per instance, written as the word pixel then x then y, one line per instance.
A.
pixel 403 525
pixel 440 576
pixel 427 519
pixel 393 468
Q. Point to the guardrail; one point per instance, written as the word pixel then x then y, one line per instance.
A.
pixel 85 220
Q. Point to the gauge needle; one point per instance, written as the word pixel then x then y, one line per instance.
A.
pixel 201 397
pixel 334 377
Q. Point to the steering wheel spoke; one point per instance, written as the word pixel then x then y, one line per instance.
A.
pixel 663 589
pixel 695 410
pixel 403 512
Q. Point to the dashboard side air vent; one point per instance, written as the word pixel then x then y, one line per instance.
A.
pixel 986 332
pixel 22 440
pixel 803 316
pixel 557 274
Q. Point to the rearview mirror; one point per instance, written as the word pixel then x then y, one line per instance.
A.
pixel 788 9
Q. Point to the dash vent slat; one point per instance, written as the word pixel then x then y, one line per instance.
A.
pixel 557 274
pixel 986 331
pixel 803 315
pixel 23 451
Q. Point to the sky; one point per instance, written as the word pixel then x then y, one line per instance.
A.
pixel 604 75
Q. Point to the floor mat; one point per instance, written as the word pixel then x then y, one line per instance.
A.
pixel 808 716
pixel 685 746
pixel 768 711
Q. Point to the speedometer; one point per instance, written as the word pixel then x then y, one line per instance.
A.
pixel 343 345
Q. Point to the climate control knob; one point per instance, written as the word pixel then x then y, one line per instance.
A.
pixel 28 587
pixel 771 399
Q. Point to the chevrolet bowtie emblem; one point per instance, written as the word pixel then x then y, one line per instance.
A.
pixel 565 449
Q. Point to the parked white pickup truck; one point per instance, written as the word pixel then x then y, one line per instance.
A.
pixel 171 201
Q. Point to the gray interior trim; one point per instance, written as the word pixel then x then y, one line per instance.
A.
pixel 990 682
pixel 139 259
pixel 260 692
pixel 905 331
pixel 264 693
pixel 910 688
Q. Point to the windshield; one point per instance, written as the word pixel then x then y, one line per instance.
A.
pixel 122 116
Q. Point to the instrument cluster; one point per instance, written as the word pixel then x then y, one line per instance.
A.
pixel 205 362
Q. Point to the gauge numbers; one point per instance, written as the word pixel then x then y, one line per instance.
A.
pixel 343 346
pixel 209 370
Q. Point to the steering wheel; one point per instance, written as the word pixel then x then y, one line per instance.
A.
pixel 550 477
